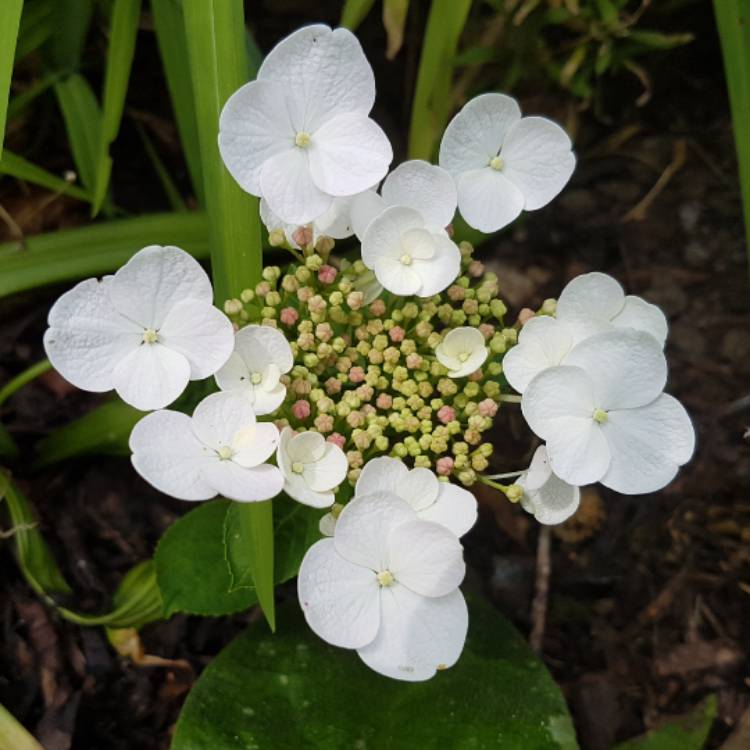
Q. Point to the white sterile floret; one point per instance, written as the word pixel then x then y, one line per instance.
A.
pixel 146 331
pixel 604 417
pixel 386 585
pixel 407 256
pixel 300 134
pixel 220 450
pixel 334 223
pixel 433 500
pixel 312 467
pixel 547 497
pixel 462 351
pixel 502 163
pixel 596 298
pixel 415 184
pixel 261 356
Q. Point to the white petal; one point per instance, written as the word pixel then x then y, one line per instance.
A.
pixel 455 508
pixel 340 600
pixel 419 487
pixel 254 126
pixel 577 450
pixel 151 376
pixel 475 361
pixel 88 337
pixel 244 485
pixel 462 351
pixel 327 472
pixel 554 502
pixel 627 367
pixel 539 471
pixel 365 525
pixel 440 271
pixel 201 333
pixel 424 187
pixel 382 474
pixel 349 154
pixel 365 207
pixel 476 133
pixel 396 277
pixel 296 487
pixel 261 346
pixel 168 456
pixel 594 295
pixel 322 73
pixel 648 445
pixel 487 199
pixel 643 316
pixel 255 444
pixel 336 222
pixel 287 185
pixel 417 635
pixel 221 418
pixel 418 243
pixel 382 238
pixel 327 524
pixel 266 402
pixel 305 447
pixel 538 159
pixel 154 280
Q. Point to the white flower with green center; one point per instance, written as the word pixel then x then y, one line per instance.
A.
pixel 604 417
pixel 146 331
pixel 504 163
pixel 312 467
pixel 261 356
pixel 407 256
pixel 300 134
pixel 547 497
pixel 220 450
pixel 462 351
pixel 386 585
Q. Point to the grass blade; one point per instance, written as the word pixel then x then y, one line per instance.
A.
pixel 167 183
pixel 733 20
pixel 72 22
pixel 432 99
pixel 123 31
pixel 37 26
pixel 96 249
pixel 16 166
pixel 14 735
pixel 19 102
pixel 10 18
pixel 354 12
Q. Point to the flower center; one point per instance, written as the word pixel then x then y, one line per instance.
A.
pixel 600 416
pixel 225 452
pixel 496 162
pixel 150 336
pixel 256 378
pixel 405 259
pixel 302 139
pixel 298 467
pixel 385 578
pixel 463 356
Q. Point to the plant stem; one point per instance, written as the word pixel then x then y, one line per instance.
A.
pixel 23 378
pixel 510 398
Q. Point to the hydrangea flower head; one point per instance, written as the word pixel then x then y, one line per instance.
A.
pixel 504 163
pixel 334 223
pixel 300 134
pixel 146 331
pixel 462 351
pixel 547 497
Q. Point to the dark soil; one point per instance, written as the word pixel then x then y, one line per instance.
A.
pixel 649 599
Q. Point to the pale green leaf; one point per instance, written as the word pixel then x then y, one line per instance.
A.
pixel 10 17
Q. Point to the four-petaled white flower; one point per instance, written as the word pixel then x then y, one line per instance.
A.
pixel 386 585
pixel 462 351
pixel 547 497
pixel 407 256
pixel 604 417
pixel 334 223
pixel 300 134
pixel 433 500
pixel 221 450
pixel 502 163
pixel 146 331
pixel 261 356
pixel 594 299
pixel 312 467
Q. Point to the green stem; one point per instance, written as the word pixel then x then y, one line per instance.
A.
pixel 507 475
pixel 23 378
pixel 510 398
pixel 495 485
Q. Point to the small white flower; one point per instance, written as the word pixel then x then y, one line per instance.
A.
pixel 462 351
pixel 220 450
pixel 300 134
pixel 146 331
pixel 502 163
pixel 386 585
pixel 593 299
pixel 407 256
pixel 327 524
pixel 433 500
pixel 334 223
pixel 604 417
pixel 413 184
pixel 261 356
pixel 312 467
pixel 547 497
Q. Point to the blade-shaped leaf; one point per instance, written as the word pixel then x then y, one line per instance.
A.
pixel 14 735
pixel 16 166
pixel 354 12
pixel 10 18
pixel 72 21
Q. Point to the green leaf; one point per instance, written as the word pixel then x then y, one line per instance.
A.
pixel 37 26
pixel 122 34
pixel 13 735
pixel 499 695
pixel 96 249
pixel 20 102
pixel 167 183
pixel 688 732
pixel 16 166
pixel 190 567
pixel 659 41
pixel 354 12
pixel 72 21
pixel 10 18
pixel 8 447
pixel 432 96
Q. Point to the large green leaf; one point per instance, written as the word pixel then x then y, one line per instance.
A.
pixel 13 736
pixel 10 17
pixel 292 690
pixel 18 167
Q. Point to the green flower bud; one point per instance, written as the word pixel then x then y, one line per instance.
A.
pixel 399 450
pixel 422 462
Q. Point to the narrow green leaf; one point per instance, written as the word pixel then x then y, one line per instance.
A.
pixel 8 447
pixel 23 378
pixel 37 26
pixel 20 102
pixel 13 735
pixel 167 183
pixel 432 99
pixel 354 12
pixel 122 34
pixel 72 22
pixel 10 18
pixel 16 166
pixel 96 249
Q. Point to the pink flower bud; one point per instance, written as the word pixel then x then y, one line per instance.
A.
pixel 446 414
pixel 355 300
pixel 487 408
pixel 377 308
pixel 327 274
pixel 323 423
pixel 476 268
pixel 356 375
pixel 525 315
pixel 289 316
pixel 303 236
pixel 301 409
pixel 456 293
pixel 337 439
pixel 332 386
pixel 487 330
pixel 385 401
pixel 397 334
pixel 444 466
pixel 475 376
pixel 304 293
pixel 413 361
